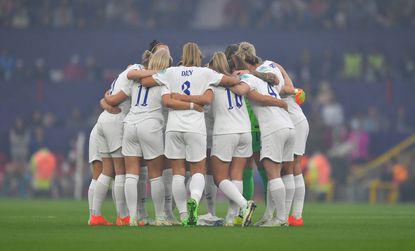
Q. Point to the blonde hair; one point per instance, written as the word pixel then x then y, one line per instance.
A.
pixel 145 58
pixel 160 60
pixel 219 63
pixel 192 56
pixel 247 52
pixel 247 48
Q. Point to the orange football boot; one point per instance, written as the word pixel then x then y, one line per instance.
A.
pixel 123 221
pixel 292 221
pixel 98 221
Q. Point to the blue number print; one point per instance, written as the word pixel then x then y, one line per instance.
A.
pixel 186 87
pixel 140 87
pixel 238 100
pixel 113 85
pixel 230 107
pixel 271 91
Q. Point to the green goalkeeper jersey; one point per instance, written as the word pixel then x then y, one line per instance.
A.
pixel 254 121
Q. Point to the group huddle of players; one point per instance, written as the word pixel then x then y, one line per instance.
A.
pixel 193 128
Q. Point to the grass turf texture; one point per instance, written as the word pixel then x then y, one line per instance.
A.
pixel 61 225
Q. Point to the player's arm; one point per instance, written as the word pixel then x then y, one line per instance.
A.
pixel 138 74
pixel 267 77
pixel 111 109
pixel 288 88
pixel 148 81
pixel 115 99
pixel 202 100
pixel 176 104
pixel 266 100
pixel 229 80
pixel 241 89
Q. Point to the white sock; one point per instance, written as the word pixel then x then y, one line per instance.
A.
pixel 233 208
pixel 232 192
pixel 142 193
pixel 157 194
pixel 113 196
pixel 168 197
pixel 270 206
pixel 289 192
pixel 210 193
pixel 119 184
pixel 91 195
pixel 299 195
pixel 196 186
pixel 277 190
pixel 100 191
pixel 131 181
pixel 179 193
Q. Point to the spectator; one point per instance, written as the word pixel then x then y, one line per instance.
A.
pixel 73 70
pixel 352 64
pixel 19 142
pixel 7 64
pixel 359 138
pixel 332 113
pixel 375 122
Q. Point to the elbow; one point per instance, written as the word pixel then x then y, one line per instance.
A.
pixel 110 101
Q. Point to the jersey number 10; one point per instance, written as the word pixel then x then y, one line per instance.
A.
pixel 238 100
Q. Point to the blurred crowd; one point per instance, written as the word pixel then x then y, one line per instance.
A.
pixel 259 14
pixel 341 138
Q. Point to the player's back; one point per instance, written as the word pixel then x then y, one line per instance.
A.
pixel 270 118
pixel 187 81
pixel 230 112
pixel 121 83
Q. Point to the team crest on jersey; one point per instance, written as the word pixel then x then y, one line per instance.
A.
pixel 273 65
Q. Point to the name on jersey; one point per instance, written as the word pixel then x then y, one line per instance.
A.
pixel 187 73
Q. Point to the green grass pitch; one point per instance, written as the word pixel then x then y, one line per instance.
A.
pixel 61 225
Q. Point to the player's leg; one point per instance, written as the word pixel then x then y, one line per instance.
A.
pixel 288 179
pixel 155 171
pixel 301 134
pixel 142 196
pixel 119 188
pixel 210 187
pixel 220 169
pixel 175 151
pixel 196 156
pixel 276 188
pixel 179 187
pixel 168 196
pixel 100 191
pixel 96 171
pixel 236 173
pixel 132 164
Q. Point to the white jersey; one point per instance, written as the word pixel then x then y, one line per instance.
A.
pixel 121 83
pixel 270 118
pixel 294 110
pixel 271 67
pixel 145 104
pixel 230 112
pixel 188 81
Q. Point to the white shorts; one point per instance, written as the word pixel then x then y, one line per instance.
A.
pixel 185 145
pixel 144 139
pixel 301 135
pixel 93 146
pixel 109 137
pixel 227 146
pixel 279 146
